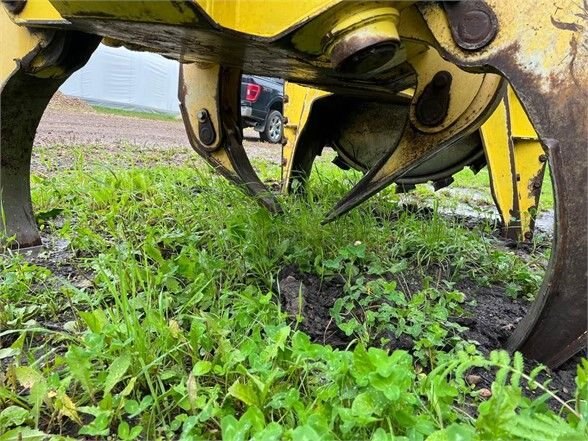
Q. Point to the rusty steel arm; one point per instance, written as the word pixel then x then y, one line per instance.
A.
pixel 32 69
pixel 209 102
pixel 548 71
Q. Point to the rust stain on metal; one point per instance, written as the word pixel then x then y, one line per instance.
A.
pixel 535 185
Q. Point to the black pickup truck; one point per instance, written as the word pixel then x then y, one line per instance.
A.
pixel 262 106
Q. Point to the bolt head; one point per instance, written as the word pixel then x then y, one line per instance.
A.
pixel 477 26
pixel 201 115
pixel 528 235
pixel 206 135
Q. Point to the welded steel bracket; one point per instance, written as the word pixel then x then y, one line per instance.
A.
pixel 516 164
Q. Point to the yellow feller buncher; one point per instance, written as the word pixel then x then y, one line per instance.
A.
pixel 457 59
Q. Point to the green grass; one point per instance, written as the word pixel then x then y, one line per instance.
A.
pixel 162 322
pixel 159 116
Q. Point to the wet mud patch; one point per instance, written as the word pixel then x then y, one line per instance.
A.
pixel 489 314
pixel 308 300
pixel 489 317
pixel 490 321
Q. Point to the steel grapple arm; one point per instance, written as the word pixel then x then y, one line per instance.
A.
pixel 413 84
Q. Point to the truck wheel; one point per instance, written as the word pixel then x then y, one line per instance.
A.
pixel 273 127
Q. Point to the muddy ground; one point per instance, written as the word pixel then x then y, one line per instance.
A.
pixel 489 316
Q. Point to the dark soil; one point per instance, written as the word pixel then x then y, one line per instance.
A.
pixel 489 316
pixel 492 317
pixel 307 297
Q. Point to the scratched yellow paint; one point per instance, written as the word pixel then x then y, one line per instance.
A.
pixel 545 51
pixel 528 165
pixel 513 152
pixel 496 140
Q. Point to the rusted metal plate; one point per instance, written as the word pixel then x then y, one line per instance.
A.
pixel 203 43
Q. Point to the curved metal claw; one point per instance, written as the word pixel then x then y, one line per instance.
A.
pixel 416 147
pixel 359 130
pixel 553 91
pixel 33 66
pixel 210 106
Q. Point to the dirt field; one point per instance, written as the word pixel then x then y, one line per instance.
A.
pixel 75 125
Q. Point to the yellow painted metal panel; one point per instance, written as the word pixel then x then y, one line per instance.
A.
pixel 516 165
pixel 296 111
pixel 199 89
pixel 39 11
pixel 521 127
pixel 16 43
pixel 464 89
pixel 263 18
pixel 165 11
pixel 496 139
pixel 544 47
